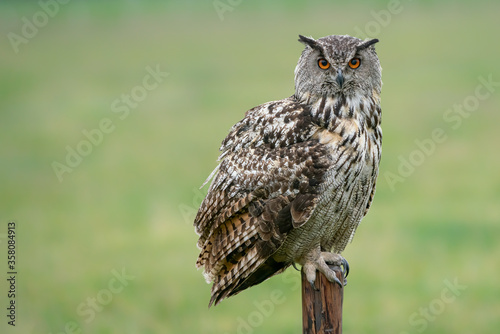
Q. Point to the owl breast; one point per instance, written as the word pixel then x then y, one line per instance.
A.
pixel 346 191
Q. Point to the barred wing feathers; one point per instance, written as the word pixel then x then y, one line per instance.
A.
pixel 267 184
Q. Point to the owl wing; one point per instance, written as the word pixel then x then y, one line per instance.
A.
pixel 266 184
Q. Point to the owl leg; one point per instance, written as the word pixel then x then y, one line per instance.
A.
pixel 317 260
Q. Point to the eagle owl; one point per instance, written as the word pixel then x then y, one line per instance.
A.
pixel 297 175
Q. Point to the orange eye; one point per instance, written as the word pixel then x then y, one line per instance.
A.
pixel 354 63
pixel 323 64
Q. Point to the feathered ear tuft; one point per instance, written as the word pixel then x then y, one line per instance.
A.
pixel 310 42
pixel 366 44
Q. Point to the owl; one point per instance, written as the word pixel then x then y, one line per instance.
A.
pixel 297 175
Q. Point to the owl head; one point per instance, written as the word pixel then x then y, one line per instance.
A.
pixel 337 65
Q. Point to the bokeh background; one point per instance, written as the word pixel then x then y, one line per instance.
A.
pixel 127 206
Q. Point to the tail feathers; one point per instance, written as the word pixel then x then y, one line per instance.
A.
pixel 221 265
pixel 232 274
pixel 265 271
pixel 253 267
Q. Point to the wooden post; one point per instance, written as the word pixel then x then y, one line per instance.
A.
pixel 322 308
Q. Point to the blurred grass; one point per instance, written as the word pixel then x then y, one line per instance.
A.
pixel 130 203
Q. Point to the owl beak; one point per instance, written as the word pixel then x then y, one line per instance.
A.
pixel 340 78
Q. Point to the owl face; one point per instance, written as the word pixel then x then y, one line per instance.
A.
pixel 337 65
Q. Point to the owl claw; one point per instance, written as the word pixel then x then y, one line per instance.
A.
pixel 345 267
pixel 295 266
pixel 319 261
pixel 338 260
pixel 310 271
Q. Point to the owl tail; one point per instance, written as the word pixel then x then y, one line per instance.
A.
pixel 250 270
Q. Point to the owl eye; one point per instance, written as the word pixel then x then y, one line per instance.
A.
pixel 354 63
pixel 323 64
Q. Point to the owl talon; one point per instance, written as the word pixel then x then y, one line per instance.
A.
pixel 317 260
pixel 337 260
pixel 295 266
pixel 309 269
pixel 345 267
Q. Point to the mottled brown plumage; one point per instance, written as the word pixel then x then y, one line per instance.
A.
pixel 296 176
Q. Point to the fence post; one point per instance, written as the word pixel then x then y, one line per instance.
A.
pixel 322 308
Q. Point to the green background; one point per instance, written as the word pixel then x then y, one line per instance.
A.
pixel 129 204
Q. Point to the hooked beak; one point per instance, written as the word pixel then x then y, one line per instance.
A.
pixel 340 78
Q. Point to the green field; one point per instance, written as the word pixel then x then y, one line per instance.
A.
pixel 123 207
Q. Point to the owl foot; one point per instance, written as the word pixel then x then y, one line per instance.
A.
pixel 317 260
pixel 333 259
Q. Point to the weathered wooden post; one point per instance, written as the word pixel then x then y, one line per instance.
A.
pixel 322 308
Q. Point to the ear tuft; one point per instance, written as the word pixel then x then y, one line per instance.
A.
pixel 366 44
pixel 310 42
